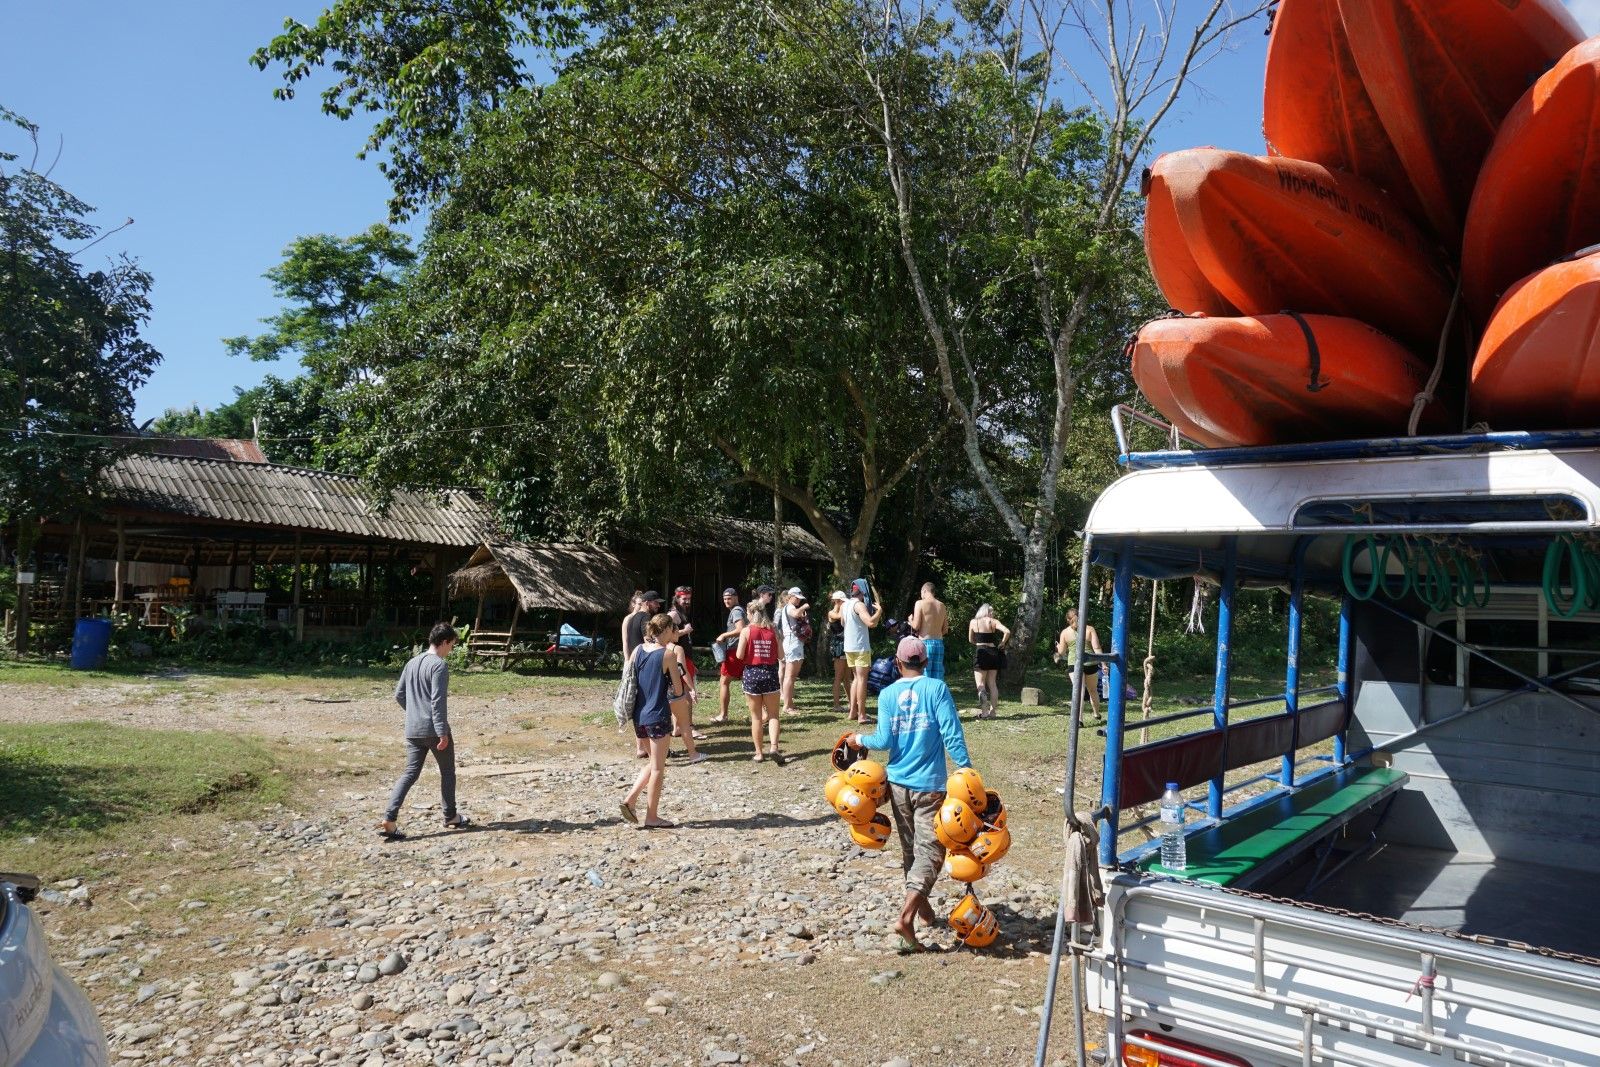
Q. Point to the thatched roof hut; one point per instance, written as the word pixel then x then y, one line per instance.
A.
pixel 554 577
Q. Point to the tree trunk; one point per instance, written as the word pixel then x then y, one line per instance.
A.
pixel 777 538
pixel 905 590
pixel 27 533
pixel 1035 560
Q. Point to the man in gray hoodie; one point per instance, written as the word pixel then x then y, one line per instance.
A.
pixel 423 691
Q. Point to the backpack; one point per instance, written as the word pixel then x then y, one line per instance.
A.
pixel 800 628
pixel 882 675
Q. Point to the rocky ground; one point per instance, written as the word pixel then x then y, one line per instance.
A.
pixel 549 933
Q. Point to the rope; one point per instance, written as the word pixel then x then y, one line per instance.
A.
pixel 1196 623
pixel 1149 661
pixel 1317 383
pixel 1420 403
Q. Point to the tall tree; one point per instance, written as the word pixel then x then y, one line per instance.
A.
pixel 421 69
pixel 70 351
pixel 1031 206
pixel 674 246
pixel 330 286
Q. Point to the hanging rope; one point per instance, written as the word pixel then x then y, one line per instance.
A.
pixel 1149 661
pixel 1420 403
pixel 1196 623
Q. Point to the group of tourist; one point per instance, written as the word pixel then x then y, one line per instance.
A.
pixel 762 646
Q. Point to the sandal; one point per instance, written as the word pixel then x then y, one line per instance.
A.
pixel 698 757
pixel 662 825
pixel 391 836
pixel 629 814
pixel 698 736
pixel 457 823
pixel 908 948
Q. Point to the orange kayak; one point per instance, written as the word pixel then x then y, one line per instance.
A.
pixel 1257 234
pixel 1442 74
pixel 1276 379
pixel 1538 196
pixel 1316 108
pixel 1538 367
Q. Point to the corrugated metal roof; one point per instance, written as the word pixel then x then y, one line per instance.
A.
pixel 265 494
pixel 200 447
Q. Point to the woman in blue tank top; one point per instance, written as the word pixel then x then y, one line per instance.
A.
pixel 652 717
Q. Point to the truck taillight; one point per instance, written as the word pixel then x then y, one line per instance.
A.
pixel 1173 1053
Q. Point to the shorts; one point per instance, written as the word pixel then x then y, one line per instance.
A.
pixel 988 658
pixel 935 649
pixel 653 731
pixel 858 659
pixel 760 679
pixel 921 854
pixel 731 667
pixel 793 651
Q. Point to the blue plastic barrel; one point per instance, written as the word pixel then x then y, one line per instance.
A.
pixel 90 639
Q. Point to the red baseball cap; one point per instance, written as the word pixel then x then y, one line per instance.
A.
pixel 911 650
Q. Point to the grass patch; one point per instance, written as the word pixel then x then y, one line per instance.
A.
pixel 75 780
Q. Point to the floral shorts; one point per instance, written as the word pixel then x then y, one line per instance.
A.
pixel 654 730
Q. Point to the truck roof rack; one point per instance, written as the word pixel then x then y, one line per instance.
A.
pixel 1443 444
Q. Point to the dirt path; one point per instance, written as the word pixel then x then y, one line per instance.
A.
pixel 551 933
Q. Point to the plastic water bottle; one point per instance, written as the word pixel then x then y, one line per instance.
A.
pixel 1173 854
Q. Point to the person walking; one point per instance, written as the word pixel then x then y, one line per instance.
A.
pixel 988 636
pixel 682 603
pixel 729 667
pixel 841 669
pixel 659 685
pixel 794 627
pixel 858 622
pixel 1065 648
pixel 931 621
pixel 919 726
pixel 758 651
pixel 645 605
pixel 424 692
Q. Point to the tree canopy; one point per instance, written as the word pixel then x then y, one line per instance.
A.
pixel 70 341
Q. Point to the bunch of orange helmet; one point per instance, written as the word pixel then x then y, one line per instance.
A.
pixel 971 826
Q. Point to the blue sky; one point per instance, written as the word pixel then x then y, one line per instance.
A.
pixel 160 117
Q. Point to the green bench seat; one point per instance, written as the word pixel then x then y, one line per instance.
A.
pixel 1253 845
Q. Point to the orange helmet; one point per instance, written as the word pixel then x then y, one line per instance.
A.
pixel 964 867
pixel 873 834
pixel 974 925
pixel 844 753
pixel 854 805
pixel 994 812
pixel 869 777
pixel 990 845
pixel 966 786
pixel 958 821
pixel 836 782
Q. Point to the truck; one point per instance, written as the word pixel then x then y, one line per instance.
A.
pixel 1399 867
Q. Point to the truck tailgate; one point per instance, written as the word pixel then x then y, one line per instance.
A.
pixel 1283 984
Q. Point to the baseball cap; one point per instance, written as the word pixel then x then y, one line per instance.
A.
pixel 649 595
pixel 795 591
pixel 730 591
pixel 910 650
pixel 765 589
pixel 838 595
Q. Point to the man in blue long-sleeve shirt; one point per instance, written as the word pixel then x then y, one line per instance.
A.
pixel 424 691
pixel 918 724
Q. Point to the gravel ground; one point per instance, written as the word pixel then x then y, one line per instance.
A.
pixel 550 933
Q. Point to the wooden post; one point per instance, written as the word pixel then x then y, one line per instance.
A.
pixel 294 591
pixel 477 620
pixel 80 541
pixel 777 540
pixel 122 567
pixel 233 565
pixel 366 586
pixel 516 613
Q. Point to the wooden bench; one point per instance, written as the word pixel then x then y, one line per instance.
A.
pixel 1251 847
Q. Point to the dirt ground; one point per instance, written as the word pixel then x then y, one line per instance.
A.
pixel 551 932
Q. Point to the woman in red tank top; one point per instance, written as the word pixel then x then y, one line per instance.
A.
pixel 758 650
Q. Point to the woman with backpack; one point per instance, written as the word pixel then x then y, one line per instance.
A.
pixel 659 682
pixel 794 626
pixel 758 651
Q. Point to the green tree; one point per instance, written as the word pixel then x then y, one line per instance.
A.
pixel 330 284
pixel 1018 217
pixel 672 252
pixel 69 338
pixel 232 419
pixel 421 69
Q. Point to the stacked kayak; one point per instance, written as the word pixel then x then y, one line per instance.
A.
pixel 1407 155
